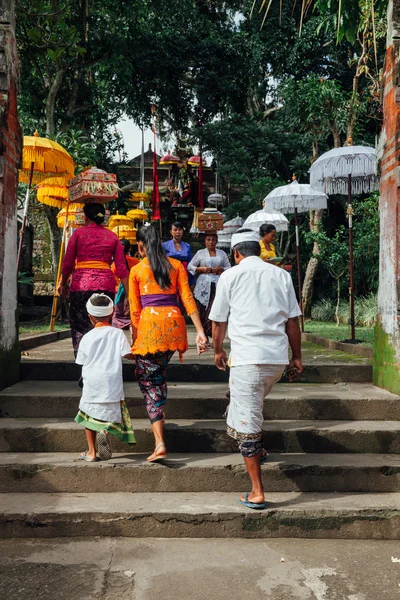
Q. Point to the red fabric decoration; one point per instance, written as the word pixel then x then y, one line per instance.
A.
pixel 155 204
pixel 200 202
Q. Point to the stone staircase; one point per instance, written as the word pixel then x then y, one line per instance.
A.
pixel 333 472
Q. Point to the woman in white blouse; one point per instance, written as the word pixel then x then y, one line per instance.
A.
pixel 207 264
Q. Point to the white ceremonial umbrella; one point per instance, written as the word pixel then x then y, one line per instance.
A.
pixel 347 170
pixel 258 218
pixel 294 198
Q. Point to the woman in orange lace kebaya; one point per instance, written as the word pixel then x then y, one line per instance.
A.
pixel 159 329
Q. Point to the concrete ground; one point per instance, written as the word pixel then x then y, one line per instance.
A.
pixel 198 569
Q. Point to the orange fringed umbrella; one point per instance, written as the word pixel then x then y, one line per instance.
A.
pixel 41 158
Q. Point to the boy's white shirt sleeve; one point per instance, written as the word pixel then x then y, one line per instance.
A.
pixel 220 308
pixel 125 347
pixel 81 356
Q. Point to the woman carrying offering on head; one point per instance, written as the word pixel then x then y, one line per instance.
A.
pixel 267 234
pixel 159 328
pixel 90 253
pixel 208 264
pixel 178 249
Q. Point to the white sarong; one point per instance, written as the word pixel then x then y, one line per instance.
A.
pixel 249 385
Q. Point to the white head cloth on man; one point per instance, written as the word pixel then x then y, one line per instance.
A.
pixel 244 236
pixel 100 311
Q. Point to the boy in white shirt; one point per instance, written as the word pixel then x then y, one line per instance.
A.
pixel 102 409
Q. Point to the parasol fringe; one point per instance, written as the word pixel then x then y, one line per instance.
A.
pixel 339 186
pixel 288 205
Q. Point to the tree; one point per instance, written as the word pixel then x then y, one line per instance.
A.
pixel 333 253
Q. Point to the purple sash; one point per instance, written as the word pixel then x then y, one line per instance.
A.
pixel 159 300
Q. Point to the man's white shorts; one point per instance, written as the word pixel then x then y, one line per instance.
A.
pixel 249 385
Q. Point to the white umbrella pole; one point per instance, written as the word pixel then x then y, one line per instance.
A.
pixel 351 289
pixel 25 217
pixel 296 222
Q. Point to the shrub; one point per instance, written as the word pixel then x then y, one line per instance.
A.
pixel 365 311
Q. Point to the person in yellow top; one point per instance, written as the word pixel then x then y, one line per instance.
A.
pixel 158 327
pixel 267 234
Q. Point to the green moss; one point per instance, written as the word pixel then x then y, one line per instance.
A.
pixel 386 369
pixel 9 365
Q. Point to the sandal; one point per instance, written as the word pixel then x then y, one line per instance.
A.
pixel 156 456
pixel 104 445
pixel 254 505
pixel 84 456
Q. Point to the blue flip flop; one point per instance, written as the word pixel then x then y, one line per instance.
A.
pixel 85 457
pixel 254 505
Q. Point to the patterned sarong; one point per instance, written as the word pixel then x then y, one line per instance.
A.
pixel 150 375
pixel 123 431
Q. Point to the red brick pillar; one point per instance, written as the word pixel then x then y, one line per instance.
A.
pixel 387 338
pixel 10 149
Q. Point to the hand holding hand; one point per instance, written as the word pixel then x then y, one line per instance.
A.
pixel 201 342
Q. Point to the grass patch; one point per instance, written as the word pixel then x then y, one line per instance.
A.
pixel 29 327
pixel 341 333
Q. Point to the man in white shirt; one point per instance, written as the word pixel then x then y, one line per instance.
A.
pixel 259 302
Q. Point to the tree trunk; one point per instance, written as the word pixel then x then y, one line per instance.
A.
pixel 55 235
pixel 51 103
pixel 308 284
pixel 337 303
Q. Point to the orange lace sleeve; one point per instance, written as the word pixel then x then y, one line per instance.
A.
pixel 184 290
pixel 134 295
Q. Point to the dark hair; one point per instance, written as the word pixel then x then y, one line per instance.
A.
pixel 177 224
pixel 266 228
pixel 126 245
pixel 100 300
pixel 159 263
pixel 213 233
pixel 248 248
pixel 95 212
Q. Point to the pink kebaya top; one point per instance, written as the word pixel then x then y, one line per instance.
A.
pixel 94 242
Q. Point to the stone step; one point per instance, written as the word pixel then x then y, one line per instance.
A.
pixel 198 372
pixel 63 435
pixel 197 515
pixel 64 472
pixel 345 401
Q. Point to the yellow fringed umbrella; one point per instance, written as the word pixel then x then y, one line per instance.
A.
pixel 49 159
pixel 138 214
pixel 126 232
pixel 139 197
pixel 53 192
pixel 41 158
pixel 76 216
pixel 119 220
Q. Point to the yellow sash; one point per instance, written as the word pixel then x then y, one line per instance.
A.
pixel 92 264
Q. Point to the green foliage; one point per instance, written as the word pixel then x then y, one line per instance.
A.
pixel 25 278
pixel 365 311
pixel 366 244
